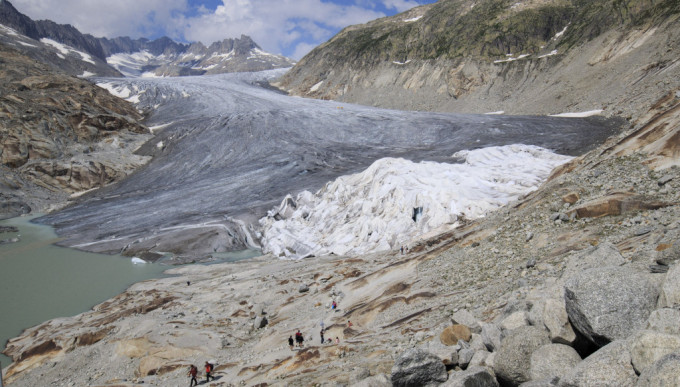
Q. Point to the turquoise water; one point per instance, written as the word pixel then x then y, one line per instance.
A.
pixel 40 281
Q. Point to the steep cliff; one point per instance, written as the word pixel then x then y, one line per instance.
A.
pixel 527 57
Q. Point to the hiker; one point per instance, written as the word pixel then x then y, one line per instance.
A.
pixel 298 338
pixel 329 341
pixel 322 336
pixel 337 340
pixel 402 250
pixel 208 372
pixel 192 372
pixel 334 305
pixel 290 342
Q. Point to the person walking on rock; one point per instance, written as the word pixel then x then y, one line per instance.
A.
pixel 192 372
pixel 208 372
pixel 321 336
pixel 290 342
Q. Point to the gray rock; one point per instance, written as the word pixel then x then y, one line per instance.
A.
pixel 599 256
pixel 479 359
pixel 491 336
pixel 553 360
pixel 448 354
pixel 473 377
pixel 416 367
pixel 359 374
pixel 514 321
pixel 547 382
pixel 465 355
pixel 303 288
pixel 464 317
pixel 670 255
pixel 609 303
pixel 260 322
pixel 381 380
pixel 512 361
pixel 665 372
pixel 649 346
pixel 609 366
pixel 555 318
pixel 670 290
pixel 664 320
pixel 664 179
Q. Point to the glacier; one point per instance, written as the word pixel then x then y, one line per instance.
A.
pixel 227 149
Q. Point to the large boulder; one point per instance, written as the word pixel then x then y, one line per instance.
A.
pixel 602 255
pixel 670 290
pixel 512 361
pixel 606 304
pixel 381 380
pixel 553 360
pixel 665 372
pixel 555 318
pixel 464 317
pixel 416 367
pixel 492 336
pixel 648 346
pixel 609 366
pixel 664 320
pixel 472 377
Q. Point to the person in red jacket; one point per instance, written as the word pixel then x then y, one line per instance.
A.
pixel 208 372
pixel 192 372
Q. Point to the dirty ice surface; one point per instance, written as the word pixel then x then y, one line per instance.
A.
pixel 228 149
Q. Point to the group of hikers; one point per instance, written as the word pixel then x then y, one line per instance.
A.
pixel 193 371
pixel 299 339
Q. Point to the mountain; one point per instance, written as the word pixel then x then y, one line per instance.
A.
pixel 527 57
pixel 164 57
pixel 79 54
pixel 59 135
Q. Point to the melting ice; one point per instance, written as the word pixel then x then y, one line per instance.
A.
pixel 396 201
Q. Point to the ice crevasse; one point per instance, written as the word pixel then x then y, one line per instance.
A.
pixel 395 201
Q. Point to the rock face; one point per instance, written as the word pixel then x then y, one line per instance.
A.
pixel 610 366
pixel 418 368
pixel 60 135
pixel 609 303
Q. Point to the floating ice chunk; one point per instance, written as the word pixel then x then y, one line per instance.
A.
pixel 138 261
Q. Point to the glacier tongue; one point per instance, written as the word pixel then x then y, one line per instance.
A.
pixel 375 209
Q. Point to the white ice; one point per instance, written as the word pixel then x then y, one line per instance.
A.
pixel 578 114
pixel 138 261
pixel 373 210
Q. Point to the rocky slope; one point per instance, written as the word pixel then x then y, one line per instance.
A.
pixel 572 285
pixel 60 135
pixel 527 57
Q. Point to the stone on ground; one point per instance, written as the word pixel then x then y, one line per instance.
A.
pixel 553 360
pixel 609 366
pixel 648 346
pixel 472 377
pixel 665 372
pixel 416 367
pixel 513 360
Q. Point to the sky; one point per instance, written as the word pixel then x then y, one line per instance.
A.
pixel 288 27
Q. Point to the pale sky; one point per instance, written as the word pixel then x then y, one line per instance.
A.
pixel 288 27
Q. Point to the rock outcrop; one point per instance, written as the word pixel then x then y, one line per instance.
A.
pixel 60 136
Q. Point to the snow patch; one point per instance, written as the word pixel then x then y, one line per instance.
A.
pixel 395 201
pixel 510 59
pixel 496 112
pixel 65 50
pixel 579 114
pixel 87 74
pixel 551 53
pixel 413 19
pixel 401 63
pixel 138 261
pixel 27 44
pixel 315 87
pixel 118 91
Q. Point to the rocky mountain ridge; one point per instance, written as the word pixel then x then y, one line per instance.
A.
pixel 526 57
pixel 133 57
